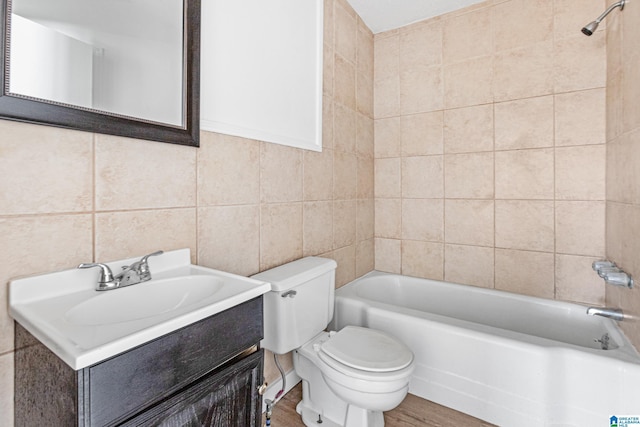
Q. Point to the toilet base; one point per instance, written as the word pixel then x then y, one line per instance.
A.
pixel 355 418
pixel 318 400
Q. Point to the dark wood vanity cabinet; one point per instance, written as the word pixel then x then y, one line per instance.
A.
pixel 205 374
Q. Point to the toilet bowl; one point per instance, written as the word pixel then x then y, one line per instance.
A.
pixel 350 366
pixel 349 377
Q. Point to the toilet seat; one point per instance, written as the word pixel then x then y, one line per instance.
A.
pixel 366 354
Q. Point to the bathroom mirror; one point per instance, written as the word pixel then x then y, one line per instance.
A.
pixel 122 67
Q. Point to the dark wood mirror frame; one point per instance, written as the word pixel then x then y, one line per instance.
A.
pixel 32 110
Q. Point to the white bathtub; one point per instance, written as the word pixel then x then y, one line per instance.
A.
pixel 508 359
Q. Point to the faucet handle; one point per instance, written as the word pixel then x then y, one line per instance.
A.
pixel 599 265
pixel 146 257
pixel 618 278
pixel 142 266
pixel 106 276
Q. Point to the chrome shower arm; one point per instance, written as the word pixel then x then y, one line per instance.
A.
pixel 619 4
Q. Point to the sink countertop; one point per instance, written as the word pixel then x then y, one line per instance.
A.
pixel 42 304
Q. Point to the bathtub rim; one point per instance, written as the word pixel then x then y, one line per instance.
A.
pixel 625 352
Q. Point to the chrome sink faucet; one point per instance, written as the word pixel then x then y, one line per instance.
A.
pixel 135 273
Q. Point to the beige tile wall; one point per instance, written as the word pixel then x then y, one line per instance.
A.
pixel 490 148
pixel 623 158
pixel 240 205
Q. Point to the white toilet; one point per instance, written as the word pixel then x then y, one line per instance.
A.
pixel 348 377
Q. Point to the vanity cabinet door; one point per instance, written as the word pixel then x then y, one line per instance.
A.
pixel 228 398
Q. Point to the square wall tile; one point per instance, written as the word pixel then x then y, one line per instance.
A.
pixel 422 259
pixel 44 169
pixel 469 265
pixel 580 172
pixel 525 174
pixel 422 177
pixel 524 123
pixel 525 225
pixel 421 90
pixel 423 219
pixel 228 170
pixel 580 117
pixel 469 82
pixel 468 130
pixel 534 61
pixel 576 280
pixel 421 46
pixel 580 63
pixel 229 238
pixel 124 166
pixel 580 228
pixel 468 176
pixel 469 222
pixel 525 272
pixel 421 134
pixel 143 232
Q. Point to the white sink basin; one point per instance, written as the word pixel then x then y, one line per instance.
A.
pixel 83 326
pixel 143 300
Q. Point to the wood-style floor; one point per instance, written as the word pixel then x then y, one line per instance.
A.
pixel 412 412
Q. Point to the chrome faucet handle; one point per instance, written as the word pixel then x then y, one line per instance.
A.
pixel 618 278
pixel 142 266
pixel 607 270
pixel 106 276
pixel 599 265
pixel 146 257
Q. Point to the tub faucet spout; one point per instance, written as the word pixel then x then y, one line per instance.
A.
pixel 611 313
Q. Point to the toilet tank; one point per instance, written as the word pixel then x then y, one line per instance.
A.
pixel 300 303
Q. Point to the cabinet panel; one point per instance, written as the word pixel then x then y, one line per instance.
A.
pixel 224 399
pixel 126 384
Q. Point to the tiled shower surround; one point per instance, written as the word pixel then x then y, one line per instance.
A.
pixel 488 167
pixel 490 149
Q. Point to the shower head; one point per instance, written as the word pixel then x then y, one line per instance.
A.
pixel 591 27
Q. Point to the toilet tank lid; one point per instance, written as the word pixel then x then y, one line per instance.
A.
pixel 295 273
